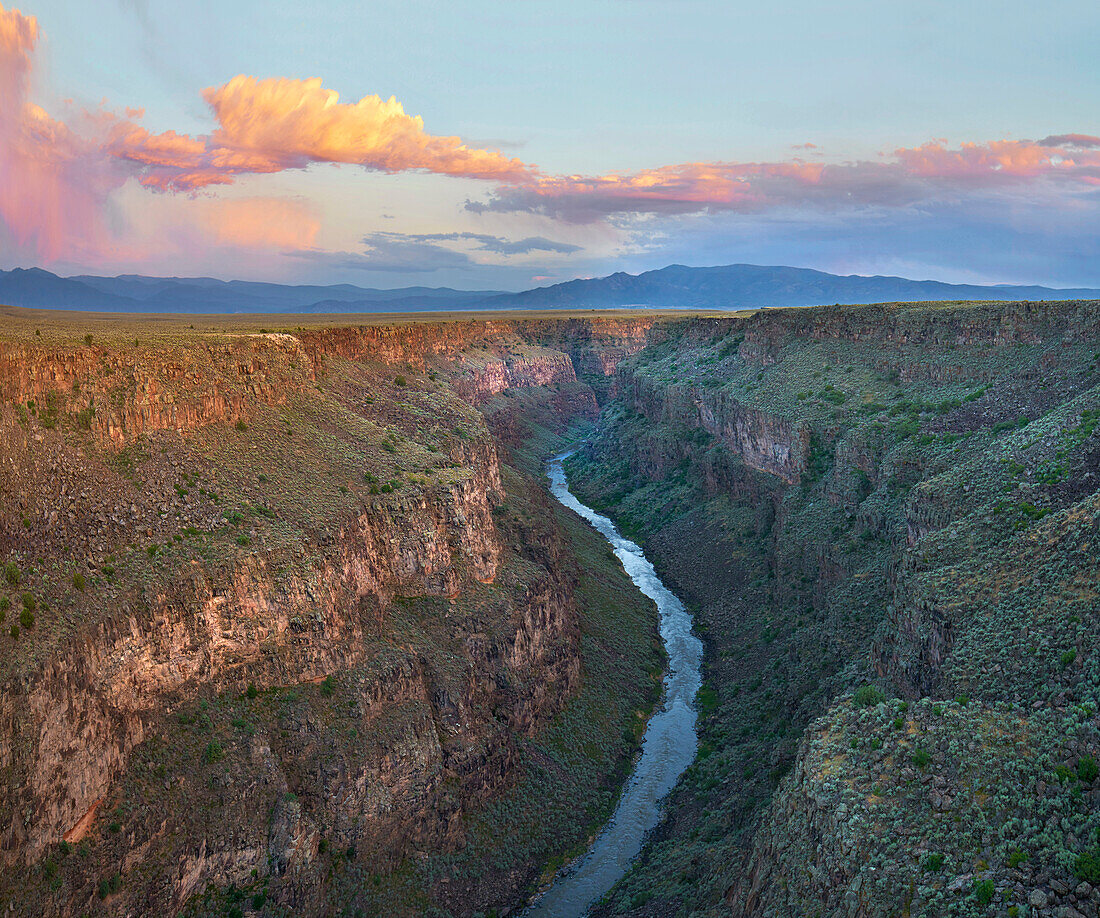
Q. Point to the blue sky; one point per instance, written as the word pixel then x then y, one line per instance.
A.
pixel 576 92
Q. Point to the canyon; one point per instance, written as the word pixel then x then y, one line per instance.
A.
pixel 295 628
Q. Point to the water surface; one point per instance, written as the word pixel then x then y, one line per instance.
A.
pixel 667 748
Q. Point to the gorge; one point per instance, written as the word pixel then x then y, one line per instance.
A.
pixel 295 627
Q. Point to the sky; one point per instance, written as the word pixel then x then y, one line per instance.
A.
pixel 505 145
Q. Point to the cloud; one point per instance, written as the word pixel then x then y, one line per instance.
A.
pixel 257 222
pixel 423 253
pixel 276 124
pixel 53 182
pixel 1080 141
pixel 391 253
pixel 498 244
pixel 911 176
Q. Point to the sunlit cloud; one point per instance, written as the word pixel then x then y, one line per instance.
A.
pixel 276 124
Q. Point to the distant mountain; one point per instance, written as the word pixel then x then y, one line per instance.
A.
pixel 40 289
pixel 746 286
pixel 674 287
pixel 34 287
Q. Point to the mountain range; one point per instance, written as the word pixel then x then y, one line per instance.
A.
pixel 673 287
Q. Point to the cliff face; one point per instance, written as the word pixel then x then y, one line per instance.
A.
pixel 314 514
pixel 762 441
pixel 122 393
pixel 221 629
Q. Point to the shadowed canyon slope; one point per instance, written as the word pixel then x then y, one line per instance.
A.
pixel 295 628
pixel 883 519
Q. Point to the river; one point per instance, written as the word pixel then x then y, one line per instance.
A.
pixel 668 746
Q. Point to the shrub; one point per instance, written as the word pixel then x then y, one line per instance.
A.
pixel 243 540
pixel 1087 866
pixel 14 630
pixel 868 695
pixel 214 752
pixel 921 759
pixel 1016 858
pixel 706 700
pixel 26 619
pixel 983 891
pixel 933 863
pixel 328 686
pixel 1068 657
pixel 400 381
pixel 241 425
pixel 79 581
pixel 29 603
pixel 1087 769
pixel 11 573
pixel 251 691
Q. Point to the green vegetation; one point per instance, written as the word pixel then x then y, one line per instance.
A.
pixel 867 695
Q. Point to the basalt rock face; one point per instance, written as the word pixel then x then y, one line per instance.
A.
pixel 222 629
pixel 760 440
pixel 208 541
pixel 893 499
pixel 527 352
pixel 121 393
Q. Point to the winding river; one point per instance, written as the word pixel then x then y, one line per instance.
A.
pixel 667 748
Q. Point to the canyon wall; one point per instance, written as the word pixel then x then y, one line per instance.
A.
pixel 890 499
pixel 179 548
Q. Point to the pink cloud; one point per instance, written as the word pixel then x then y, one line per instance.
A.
pixel 53 182
pixel 56 180
pixel 911 175
pixel 255 223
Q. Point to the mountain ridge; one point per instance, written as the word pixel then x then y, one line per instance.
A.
pixel 736 286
